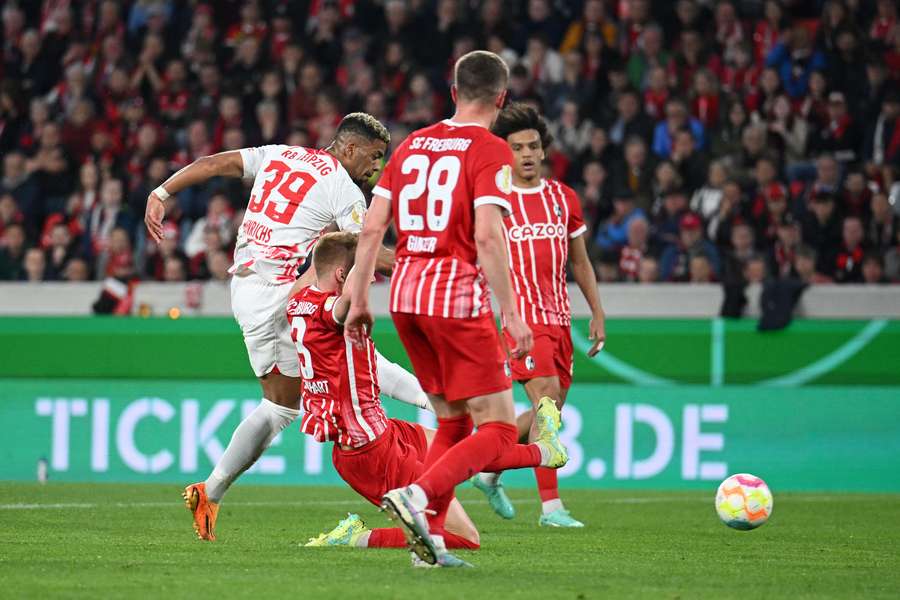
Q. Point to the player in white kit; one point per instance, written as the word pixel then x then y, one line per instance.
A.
pixel 297 193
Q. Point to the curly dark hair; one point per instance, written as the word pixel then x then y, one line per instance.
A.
pixel 364 125
pixel 518 117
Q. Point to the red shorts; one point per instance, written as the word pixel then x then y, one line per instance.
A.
pixel 552 355
pixel 456 358
pixel 395 459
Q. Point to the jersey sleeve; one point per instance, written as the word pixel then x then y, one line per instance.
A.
pixel 350 207
pixel 491 174
pixel 383 187
pixel 576 225
pixel 253 158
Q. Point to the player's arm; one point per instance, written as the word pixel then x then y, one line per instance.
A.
pixel 583 272
pixel 490 244
pixel 359 317
pixel 224 164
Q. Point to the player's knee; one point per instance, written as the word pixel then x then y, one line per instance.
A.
pixel 281 390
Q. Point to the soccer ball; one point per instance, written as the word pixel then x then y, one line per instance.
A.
pixel 744 501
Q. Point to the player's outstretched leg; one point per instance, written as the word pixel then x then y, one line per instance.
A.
pixel 251 438
pixel 347 533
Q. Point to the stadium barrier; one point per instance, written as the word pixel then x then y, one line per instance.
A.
pixel 662 300
pixel 668 404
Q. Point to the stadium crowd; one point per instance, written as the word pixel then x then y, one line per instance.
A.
pixel 708 140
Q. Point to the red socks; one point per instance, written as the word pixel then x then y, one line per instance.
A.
pixel 547 484
pixel 467 457
pixel 449 432
pixel 518 456
pixel 393 538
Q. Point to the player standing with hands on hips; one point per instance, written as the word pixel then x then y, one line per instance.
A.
pixel 446 188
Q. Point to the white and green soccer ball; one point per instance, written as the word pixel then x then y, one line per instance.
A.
pixel 743 501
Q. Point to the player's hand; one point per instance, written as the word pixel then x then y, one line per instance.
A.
pixel 520 334
pixel 153 217
pixel 358 324
pixel 597 334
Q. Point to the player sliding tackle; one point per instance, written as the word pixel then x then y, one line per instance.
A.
pixel 297 192
pixel 446 188
pixel 372 453
pixel 545 230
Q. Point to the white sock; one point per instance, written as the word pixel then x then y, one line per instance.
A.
pixel 400 384
pixel 248 442
pixel 363 540
pixel 418 497
pixel 545 454
pixel 548 506
pixel 490 479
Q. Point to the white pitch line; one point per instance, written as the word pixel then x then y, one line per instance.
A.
pixel 626 500
pixel 77 505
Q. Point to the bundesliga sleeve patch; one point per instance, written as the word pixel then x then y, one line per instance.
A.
pixel 357 215
pixel 503 179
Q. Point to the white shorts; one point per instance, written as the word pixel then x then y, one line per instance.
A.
pixel 260 308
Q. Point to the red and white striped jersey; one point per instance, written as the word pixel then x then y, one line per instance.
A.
pixel 340 381
pixel 538 230
pixel 435 179
pixel 297 192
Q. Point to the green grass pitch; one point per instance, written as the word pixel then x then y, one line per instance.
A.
pixel 136 541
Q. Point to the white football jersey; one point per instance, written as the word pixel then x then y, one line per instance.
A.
pixel 297 192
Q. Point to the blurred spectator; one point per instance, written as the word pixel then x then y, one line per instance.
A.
pixel 842 135
pixel 676 258
pixel 706 200
pixel 822 231
pixel 785 248
pixel 35 265
pixel 755 270
pixel 631 120
pixel 572 134
pixel 736 257
pixel 60 251
pixel 700 269
pixel 636 248
pixel 848 264
pixel 795 58
pixel 650 54
pixel 12 253
pixel 174 269
pixel 883 224
pixel 873 269
pixel 649 270
pixel 636 175
pixel 765 114
pixel 76 270
pixel 614 233
pixel 677 118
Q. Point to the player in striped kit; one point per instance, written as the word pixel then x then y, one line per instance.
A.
pixel 545 231
pixel 372 453
pixel 446 188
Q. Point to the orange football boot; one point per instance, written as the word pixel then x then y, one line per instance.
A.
pixel 204 511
